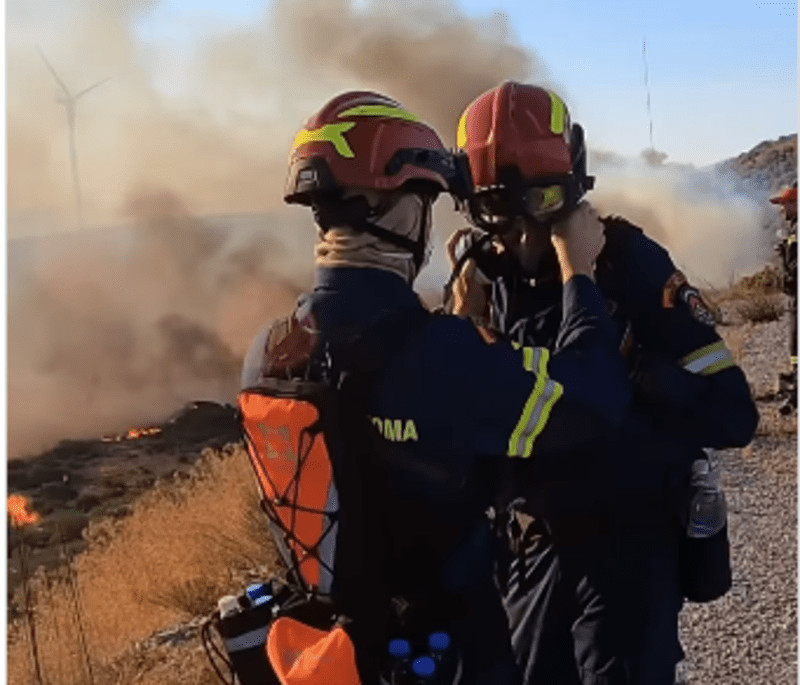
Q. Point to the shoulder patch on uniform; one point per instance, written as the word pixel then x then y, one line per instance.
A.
pixel 669 295
pixel 699 310
pixel 289 345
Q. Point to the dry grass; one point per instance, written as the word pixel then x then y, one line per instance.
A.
pixel 761 308
pixel 756 298
pixel 182 548
pixel 768 281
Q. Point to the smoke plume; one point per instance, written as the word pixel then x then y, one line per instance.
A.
pixel 183 152
pixel 713 224
pixel 113 327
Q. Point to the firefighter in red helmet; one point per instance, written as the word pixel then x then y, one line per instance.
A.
pixel 787 249
pixel 447 407
pixel 594 568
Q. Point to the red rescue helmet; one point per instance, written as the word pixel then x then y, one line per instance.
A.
pixel 363 139
pixel 788 196
pixel 525 155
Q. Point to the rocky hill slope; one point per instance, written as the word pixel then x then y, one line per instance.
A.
pixel 770 165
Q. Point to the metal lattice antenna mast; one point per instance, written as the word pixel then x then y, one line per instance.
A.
pixel 70 101
pixel 647 88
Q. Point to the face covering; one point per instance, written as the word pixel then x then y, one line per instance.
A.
pixel 404 214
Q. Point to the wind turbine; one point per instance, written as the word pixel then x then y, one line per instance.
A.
pixel 70 100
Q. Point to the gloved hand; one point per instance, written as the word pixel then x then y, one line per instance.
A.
pixel 578 240
pixel 471 289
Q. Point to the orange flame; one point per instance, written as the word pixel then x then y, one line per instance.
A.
pixel 19 512
pixel 132 434
pixel 135 433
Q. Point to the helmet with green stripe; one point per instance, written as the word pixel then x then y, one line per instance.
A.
pixel 365 140
pixel 526 157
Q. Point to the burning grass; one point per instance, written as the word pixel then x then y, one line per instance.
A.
pixel 182 547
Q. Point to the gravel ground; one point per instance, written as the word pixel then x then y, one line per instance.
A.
pixel 750 635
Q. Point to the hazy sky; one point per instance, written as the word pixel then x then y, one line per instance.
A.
pixel 722 73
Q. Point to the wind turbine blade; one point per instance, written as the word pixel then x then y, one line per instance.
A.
pixel 92 87
pixel 53 72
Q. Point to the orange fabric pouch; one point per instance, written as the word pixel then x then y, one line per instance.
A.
pixel 302 655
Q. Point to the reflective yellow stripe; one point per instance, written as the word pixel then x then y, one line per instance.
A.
pixel 557 113
pixel 527 358
pixel 527 355
pixel 379 111
pixel 461 133
pixel 718 366
pixel 702 352
pixel 329 133
pixel 538 406
pixel 550 395
pixel 523 422
pixel 709 359
pixel 791 239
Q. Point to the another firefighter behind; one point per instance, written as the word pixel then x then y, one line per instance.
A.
pixel 597 559
pixel 787 248
pixel 452 406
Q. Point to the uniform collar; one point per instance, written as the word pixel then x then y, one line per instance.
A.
pixel 365 284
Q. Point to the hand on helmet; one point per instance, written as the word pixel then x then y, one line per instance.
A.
pixel 470 288
pixel 578 240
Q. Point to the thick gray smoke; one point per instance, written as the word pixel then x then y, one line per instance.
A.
pixel 118 328
pixel 217 134
pixel 711 221
pixel 185 153
pixel 111 328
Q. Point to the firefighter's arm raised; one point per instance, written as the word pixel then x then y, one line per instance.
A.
pixel 562 399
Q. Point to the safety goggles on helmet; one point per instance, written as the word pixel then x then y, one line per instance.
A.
pixel 495 209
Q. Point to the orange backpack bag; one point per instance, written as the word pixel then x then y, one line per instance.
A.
pixel 316 458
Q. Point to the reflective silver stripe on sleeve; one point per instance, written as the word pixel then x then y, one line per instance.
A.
pixel 709 359
pixel 545 394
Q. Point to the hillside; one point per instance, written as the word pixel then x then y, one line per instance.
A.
pixel 770 165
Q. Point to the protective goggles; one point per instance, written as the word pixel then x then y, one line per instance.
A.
pixel 495 210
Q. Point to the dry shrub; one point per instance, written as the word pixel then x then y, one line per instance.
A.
pixel 192 597
pixel 183 547
pixel 761 308
pixel 768 281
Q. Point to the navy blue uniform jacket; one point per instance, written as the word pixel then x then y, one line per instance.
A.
pixel 449 399
pixel 688 391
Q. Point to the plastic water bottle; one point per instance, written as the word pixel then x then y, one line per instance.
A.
pixel 439 643
pixel 440 646
pixel 243 624
pixel 399 654
pixel 707 511
pixel 704 555
pixel 423 670
pixel 258 594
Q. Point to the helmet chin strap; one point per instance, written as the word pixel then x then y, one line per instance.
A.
pixel 546 267
pixel 356 213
